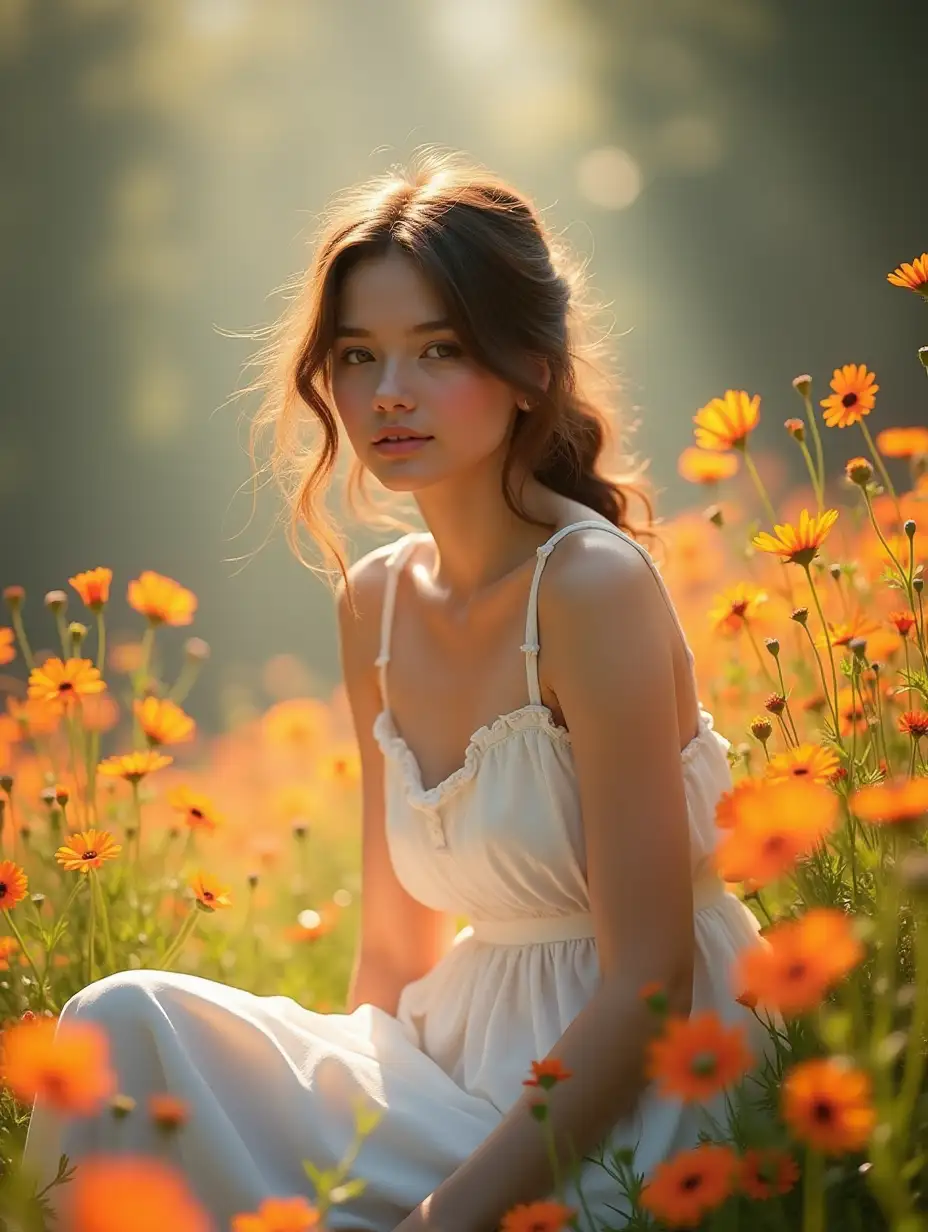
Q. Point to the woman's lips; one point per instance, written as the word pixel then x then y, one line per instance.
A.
pixel 407 445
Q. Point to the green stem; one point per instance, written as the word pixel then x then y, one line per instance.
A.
pixel 91 936
pixel 884 474
pixel 758 484
pixel 745 624
pixel 177 945
pixel 40 983
pixel 20 629
pixel 831 652
pixel 96 886
pixel 816 437
pixel 914 1067
pixel 813 1204
pixel 816 486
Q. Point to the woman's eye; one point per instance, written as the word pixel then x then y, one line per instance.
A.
pixel 349 351
pixel 449 346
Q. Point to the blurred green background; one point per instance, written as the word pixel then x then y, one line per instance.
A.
pixel 741 174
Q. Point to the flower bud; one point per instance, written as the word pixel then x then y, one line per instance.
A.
pixel 859 471
pixel 796 428
pixel 13 596
pixel 77 631
pixel 835 571
pixel 300 828
pixel 910 528
pixel 858 646
pixel 802 384
pixel 918 585
pixel 252 880
pixel 38 900
pixel 48 795
pixel 773 646
pixel 6 783
pixel 775 703
pixel 195 648
pixel 62 795
pixel 121 1105
pixel 761 728
pixel 800 615
pixel 714 515
pixel 56 600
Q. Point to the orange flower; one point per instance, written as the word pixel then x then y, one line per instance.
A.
pixel 851 712
pixel 279 1215
pixel 64 682
pixel 902 442
pixel 68 1064
pixel 37 718
pixel 800 961
pixel 903 800
pixel 697 1057
pixel 13 884
pixel 812 761
pixel 706 465
pixel 86 850
pixel 106 1187
pixel 297 722
pixel 134 766
pixel 774 825
pixel 168 1111
pixel 726 422
pixel 798 545
pixel 690 1184
pixel 853 397
pixel 736 606
pixel 93 586
pixel 161 599
pixel 100 713
pixel 914 276
pixel 726 810
pixel 163 721
pixel 7 645
pixel 543 1216
pixel 547 1073
pixel 846 630
pixel 902 621
pixel 914 723
pixel 210 894
pixel 198 810
pixel 767 1172
pixel 8 947
pixel 827 1104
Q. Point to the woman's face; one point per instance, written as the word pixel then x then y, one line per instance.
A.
pixel 394 365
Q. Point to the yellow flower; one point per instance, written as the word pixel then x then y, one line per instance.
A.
pixel 854 396
pixel 7 645
pixel 798 544
pixel 134 766
pixel 726 422
pixel 209 892
pixel 161 599
pixel 706 466
pixel 736 606
pixel 810 761
pixel 913 277
pixel 163 722
pixel 197 809
pixel 64 682
pixel 93 586
pixel 87 850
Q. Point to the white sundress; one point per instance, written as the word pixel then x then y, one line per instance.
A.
pixel 499 841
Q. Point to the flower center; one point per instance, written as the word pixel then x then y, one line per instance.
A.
pixel 65 686
pixel 823 1111
pixel 89 855
pixel 691 1182
pixel 704 1063
pixel 4 889
pixel 197 813
pixel 849 400
pixel 796 971
pixel 799 771
pixel 208 894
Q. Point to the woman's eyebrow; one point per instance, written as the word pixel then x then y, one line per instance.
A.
pixel 425 327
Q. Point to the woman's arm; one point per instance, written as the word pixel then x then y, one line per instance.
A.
pixel 610 646
pixel 400 938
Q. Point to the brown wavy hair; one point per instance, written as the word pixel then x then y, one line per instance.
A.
pixel 511 291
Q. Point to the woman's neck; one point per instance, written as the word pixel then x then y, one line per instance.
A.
pixel 478 539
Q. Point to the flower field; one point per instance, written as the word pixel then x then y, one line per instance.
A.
pixel 131 840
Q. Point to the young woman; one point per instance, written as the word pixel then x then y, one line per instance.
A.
pixel 534 759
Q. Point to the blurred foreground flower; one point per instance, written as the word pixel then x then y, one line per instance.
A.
pixel 690 1185
pixel 66 1065
pixel 105 1188
pixel 279 1215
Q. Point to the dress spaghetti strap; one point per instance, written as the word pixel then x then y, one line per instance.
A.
pixel 532 646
